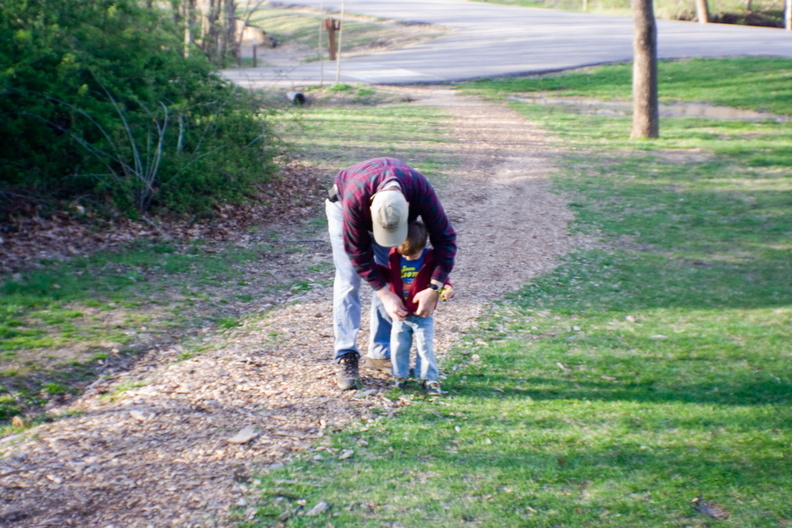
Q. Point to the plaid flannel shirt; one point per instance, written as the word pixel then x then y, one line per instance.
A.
pixel 358 183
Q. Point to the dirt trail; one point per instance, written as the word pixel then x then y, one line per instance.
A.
pixel 165 444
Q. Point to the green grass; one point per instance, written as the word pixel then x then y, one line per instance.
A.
pixel 35 302
pixel 299 26
pixel 662 8
pixel 64 322
pixel 719 82
pixel 645 383
pixel 333 137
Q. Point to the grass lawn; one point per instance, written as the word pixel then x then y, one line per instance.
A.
pixel 329 137
pixel 63 323
pixel 300 27
pixel 645 383
pixel 667 9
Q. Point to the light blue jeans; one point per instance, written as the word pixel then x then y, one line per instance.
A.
pixel 346 295
pixel 420 331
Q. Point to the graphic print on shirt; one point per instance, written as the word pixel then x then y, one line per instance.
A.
pixel 409 270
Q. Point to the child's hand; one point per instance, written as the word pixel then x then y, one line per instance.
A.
pixel 447 293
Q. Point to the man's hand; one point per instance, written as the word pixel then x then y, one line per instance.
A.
pixel 447 293
pixel 392 303
pixel 426 301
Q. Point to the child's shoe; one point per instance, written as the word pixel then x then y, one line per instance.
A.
pixel 433 387
pixel 399 383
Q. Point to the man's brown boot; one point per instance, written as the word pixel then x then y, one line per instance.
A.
pixel 348 376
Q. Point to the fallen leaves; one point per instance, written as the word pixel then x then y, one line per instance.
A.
pixel 346 453
pixel 320 507
pixel 139 416
pixel 244 436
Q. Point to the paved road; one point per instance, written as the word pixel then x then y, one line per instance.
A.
pixel 487 40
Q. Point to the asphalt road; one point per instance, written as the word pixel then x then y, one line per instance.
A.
pixel 488 40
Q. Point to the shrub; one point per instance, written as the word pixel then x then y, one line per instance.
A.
pixel 97 101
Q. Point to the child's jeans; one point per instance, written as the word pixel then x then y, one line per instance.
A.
pixel 419 330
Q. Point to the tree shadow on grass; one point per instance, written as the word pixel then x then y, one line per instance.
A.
pixel 731 392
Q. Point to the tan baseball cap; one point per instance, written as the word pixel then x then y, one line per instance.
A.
pixel 389 212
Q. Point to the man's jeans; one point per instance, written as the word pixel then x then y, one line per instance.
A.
pixel 418 330
pixel 346 295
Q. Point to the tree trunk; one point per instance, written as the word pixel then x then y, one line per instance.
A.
pixel 212 34
pixel 646 121
pixel 230 40
pixel 702 11
pixel 184 17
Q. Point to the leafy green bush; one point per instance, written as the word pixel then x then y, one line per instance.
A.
pixel 98 101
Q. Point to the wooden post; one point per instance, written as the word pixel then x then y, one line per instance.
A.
pixel 255 48
pixel 332 25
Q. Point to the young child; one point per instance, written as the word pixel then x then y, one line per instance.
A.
pixel 409 271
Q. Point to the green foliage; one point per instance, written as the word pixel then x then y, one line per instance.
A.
pixel 98 101
pixel 228 322
pixel 55 388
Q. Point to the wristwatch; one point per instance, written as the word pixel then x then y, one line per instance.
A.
pixel 434 286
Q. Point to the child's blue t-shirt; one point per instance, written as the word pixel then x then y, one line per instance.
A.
pixel 409 270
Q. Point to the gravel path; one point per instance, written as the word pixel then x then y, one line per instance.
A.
pixel 173 443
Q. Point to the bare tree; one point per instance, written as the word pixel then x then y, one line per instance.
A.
pixel 230 48
pixel 646 120
pixel 184 16
pixel 211 27
pixel 702 11
pixel 215 26
pixel 218 34
pixel 248 9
